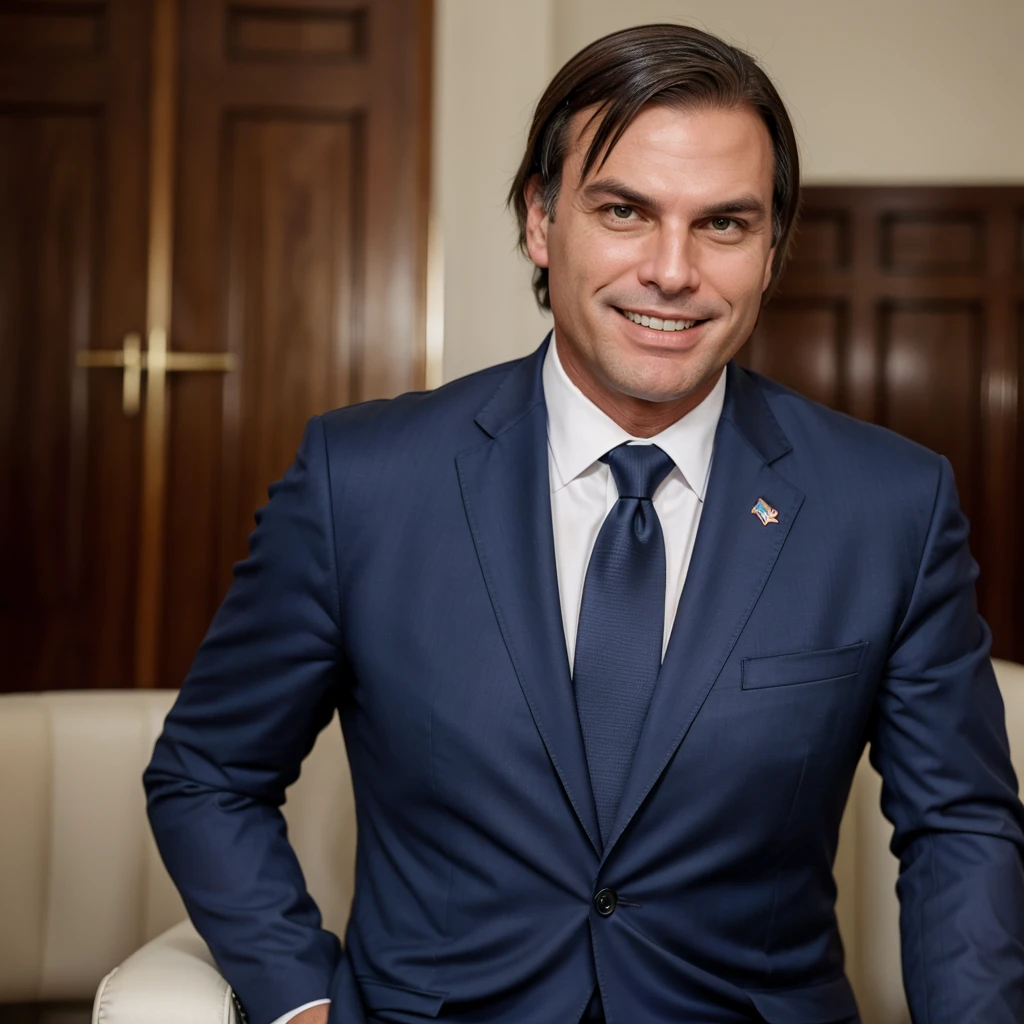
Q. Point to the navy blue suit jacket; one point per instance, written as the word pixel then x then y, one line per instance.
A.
pixel 403 572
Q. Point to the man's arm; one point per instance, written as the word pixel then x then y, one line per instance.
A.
pixel 948 787
pixel 264 683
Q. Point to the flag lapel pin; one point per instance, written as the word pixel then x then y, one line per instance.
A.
pixel 765 512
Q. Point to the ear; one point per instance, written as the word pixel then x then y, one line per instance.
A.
pixel 537 223
pixel 768 270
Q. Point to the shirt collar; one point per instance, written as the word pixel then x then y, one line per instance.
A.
pixel 579 433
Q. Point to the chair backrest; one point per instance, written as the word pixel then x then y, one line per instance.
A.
pixel 81 882
pixel 82 885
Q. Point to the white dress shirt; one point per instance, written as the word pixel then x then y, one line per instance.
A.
pixel 583 489
pixel 298 1009
pixel 583 493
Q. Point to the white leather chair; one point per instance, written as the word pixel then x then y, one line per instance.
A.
pixel 86 902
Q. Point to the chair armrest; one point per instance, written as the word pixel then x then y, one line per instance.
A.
pixel 170 980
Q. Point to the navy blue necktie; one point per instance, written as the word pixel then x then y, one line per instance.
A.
pixel 621 625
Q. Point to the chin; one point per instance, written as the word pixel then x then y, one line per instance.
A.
pixel 659 379
pixel 656 389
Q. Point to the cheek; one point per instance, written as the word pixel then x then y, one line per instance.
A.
pixel 735 274
pixel 618 248
pixel 599 258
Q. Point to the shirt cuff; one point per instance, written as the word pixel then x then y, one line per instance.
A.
pixel 285 1017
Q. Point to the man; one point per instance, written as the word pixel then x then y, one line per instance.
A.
pixel 608 628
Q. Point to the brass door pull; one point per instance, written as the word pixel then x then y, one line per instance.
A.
pixel 130 359
pixel 156 359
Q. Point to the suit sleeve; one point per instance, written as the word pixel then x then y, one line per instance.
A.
pixel 264 683
pixel 949 789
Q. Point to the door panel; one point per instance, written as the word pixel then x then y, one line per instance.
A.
pixel 293 229
pixel 933 242
pixel 810 360
pixel 931 383
pixel 905 307
pixel 300 248
pixel 49 184
pixel 53 30
pixel 282 32
pixel 71 249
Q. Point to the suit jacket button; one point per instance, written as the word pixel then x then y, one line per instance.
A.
pixel 606 901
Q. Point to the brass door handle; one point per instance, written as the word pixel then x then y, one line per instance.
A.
pixel 157 359
pixel 130 359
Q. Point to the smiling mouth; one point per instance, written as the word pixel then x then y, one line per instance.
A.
pixel 658 324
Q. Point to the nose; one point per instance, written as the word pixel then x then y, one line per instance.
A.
pixel 670 263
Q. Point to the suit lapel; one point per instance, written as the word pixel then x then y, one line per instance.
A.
pixel 507 497
pixel 732 559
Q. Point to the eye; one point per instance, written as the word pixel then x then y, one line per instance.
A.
pixel 621 212
pixel 722 223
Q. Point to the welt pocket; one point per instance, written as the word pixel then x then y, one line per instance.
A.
pixel 802 667
pixel 379 998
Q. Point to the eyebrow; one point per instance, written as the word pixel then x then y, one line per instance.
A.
pixel 620 190
pixel 749 204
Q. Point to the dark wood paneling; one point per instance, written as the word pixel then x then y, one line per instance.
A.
pixel 58 30
pixel 72 247
pixel 812 357
pixel 1015 561
pixel 929 342
pixel 300 247
pixel 289 33
pixel 930 383
pixel 294 188
pixel 824 241
pixel 933 243
pixel 49 190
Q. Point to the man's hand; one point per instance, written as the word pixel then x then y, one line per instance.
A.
pixel 314 1015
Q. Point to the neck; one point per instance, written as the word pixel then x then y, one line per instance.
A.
pixel 639 417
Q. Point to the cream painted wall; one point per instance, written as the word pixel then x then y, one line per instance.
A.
pixel 881 91
pixel 897 91
pixel 492 61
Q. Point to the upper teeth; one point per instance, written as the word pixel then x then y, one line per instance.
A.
pixel 657 324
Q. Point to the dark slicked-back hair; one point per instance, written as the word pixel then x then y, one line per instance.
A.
pixel 620 75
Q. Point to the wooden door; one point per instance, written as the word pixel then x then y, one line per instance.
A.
pixel 73 114
pixel 905 307
pixel 244 188
pixel 301 220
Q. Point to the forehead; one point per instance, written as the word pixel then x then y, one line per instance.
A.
pixel 667 150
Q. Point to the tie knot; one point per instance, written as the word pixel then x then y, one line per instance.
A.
pixel 638 469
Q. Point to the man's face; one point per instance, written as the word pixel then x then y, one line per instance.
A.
pixel 675 226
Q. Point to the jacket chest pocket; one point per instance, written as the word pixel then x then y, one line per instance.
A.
pixel 804 667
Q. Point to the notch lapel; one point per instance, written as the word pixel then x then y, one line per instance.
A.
pixel 506 491
pixel 732 559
